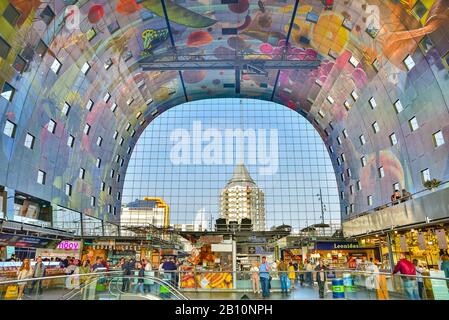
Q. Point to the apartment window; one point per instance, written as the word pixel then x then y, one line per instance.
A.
pixel 11 14
pixel 409 62
pixel 370 200
pixel 343 157
pixel 90 34
pixel 81 174
pixel 8 91
pixel 89 105
pixel 109 190
pixel 354 62
pixel 99 141
pixel 348 171
pixel 339 161
pixel 70 141
pixel 133 133
pixel 5 48
pixel 41 177
pixel 342 176
pixel 114 212
pixel 19 64
pixel 47 15
pixel 98 163
pixel 345 133
pixel 359 185
pixel 68 189
pixel 413 124
pixel 129 150
pixel 363 160
pixel 381 172
pixel 85 68
pixel 130 101
pixel 10 129
pixel 117 158
pixel 396 186
pixel 321 113
pixel 108 64
pixel 351 208
pixel 339 140
pixel 118 195
pixel 326 132
pixel 331 149
pixel 86 129
pixel 438 139
pixel 51 126
pixel 330 99
pixel 56 66
pixel 29 141
pixel 398 106
pixel 373 103
pixel 375 126
pixel 342 195
pixel 122 161
pixel 106 97
pixel 121 141
pixel 103 185
pixel 92 201
pixel 109 208
pixel 362 139
pixel 138 115
pixel 112 173
pixel 142 122
pixel 347 210
pixel 118 178
pixel 354 95
pixel 347 105
pixel 115 135
pixel 41 48
pixel 425 175
pixel 114 107
pixel 66 109
pixel 393 139
pixel 351 189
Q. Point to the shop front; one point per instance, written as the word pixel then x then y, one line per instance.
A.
pixel 62 250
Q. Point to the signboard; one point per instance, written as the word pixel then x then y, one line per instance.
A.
pixel 211 239
pixel 264 250
pixel 338 246
pixel 403 243
pixel 441 237
pixel 104 243
pixel 21 241
pixel 439 287
pixel 68 245
pixel 224 247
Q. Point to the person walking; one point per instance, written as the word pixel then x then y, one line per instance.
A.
pixel 148 283
pixel 264 274
pixel 301 268
pixel 72 282
pixel 292 274
pixel 419 273
pixel 321 277
pixel 139 274
pixel 407 269
pixel 255 278
pixel 24 272
pixel 38 272
pixel 84 269
pixel 127 268
pixel 283 268
pixel 309 271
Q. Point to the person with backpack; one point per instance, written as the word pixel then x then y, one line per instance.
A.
pixel 408 270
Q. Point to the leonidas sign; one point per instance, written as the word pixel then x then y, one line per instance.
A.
pixel 337 245
pixel 68 245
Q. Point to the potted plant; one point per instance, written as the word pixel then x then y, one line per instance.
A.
pixel 432 184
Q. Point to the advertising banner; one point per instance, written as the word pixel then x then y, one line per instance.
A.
pixel 338 245
pixel 441 237
pixel 22 241
pixel 421 241
pixel 403 243
pixel 439 287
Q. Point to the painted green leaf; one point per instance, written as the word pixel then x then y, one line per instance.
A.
pixel 178 14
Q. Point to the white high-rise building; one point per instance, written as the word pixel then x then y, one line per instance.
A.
pixel 201 220
pixel 242 199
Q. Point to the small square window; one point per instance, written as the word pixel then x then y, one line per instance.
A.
pixel 90 34
pixel 331 149
pixel 19 64
pixel 375 126
pixel 373 103
pixel 425 175
pixel 363 161
pixel 393 139
pixel 354 62
pixel 10 129
pixel 359 185
pixel 106 97
pixel 89 105
pixel 82 172
pixel 11 14
pixel 5 48
pixel 47 15
pixel 56 66
pixel 8 91
pixel 362 139
pixel 29 141
pixel 41 177
pixel 398 106
pixel 85 68
pixel 99 141
pixel 370 200
pixel 381 172
pixel 112 173
pixel 345 133
pixel 330 99
pixel 114 107
pixel 103 186
pixel 347 105
pixel 86 129
pixel 98 163
pixel 348 171
pixel 108 64
pixel 130 101
pixel 339 140
pixel 438 139
pixel 121 141
pixel 321 113
pixel 413 122
pixel 133 133
pixel 41 48
pixel 343 157
pixel 115 135
pixel 65 109
pixel 409 63
pixel 138 115
pixel 343 177
pixel 109 190
pixel 68 189
pixel 339 161
pixel 51 127
pixel 354 95
pixel 70 141
pixel 396 187
pixel 351 189
pixel 92 201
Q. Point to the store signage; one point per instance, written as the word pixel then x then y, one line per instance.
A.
pixel 441 238
pixel 211 239
pixel 20 241
pixel 421 241
pixel 264 250
pixel 225 247
pixel 439 287
pixel 104 243
pixel 68 245
pixel 337 245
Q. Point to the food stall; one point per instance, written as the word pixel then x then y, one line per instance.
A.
pixel 62 250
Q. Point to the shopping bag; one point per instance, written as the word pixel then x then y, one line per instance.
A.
pixel 12 292
pixel 289 283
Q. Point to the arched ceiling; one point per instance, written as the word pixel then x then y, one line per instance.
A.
pixel 359 47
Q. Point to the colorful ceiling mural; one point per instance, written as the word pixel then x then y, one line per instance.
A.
pixel 90 55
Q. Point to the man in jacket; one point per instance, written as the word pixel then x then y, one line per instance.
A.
pixel 321 277
pixel 264 274
pixel 38 272
pixel 127 268
pixel 407 269
pixel 282 268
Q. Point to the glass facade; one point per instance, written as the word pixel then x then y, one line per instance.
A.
pixel 190 178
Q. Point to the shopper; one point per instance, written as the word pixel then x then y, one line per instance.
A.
pixel 372 276
pixel 127 268
pixel 84 269
pixel 98 266
pixel 170 267
pixel 419 273
pixel 321 277
pixel 72 281
pixel 139 274
pixel 300 274
pixel 24 272
pixel 445 267
pixel 309 270
pixel 255 278
pixel 292 274
pixel 264 274
pixel 283 268
pixel 407 269
pixel 148 283
pixel 38 272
